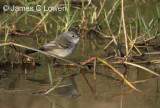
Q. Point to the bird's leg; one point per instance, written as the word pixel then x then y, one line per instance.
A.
pixel 54 60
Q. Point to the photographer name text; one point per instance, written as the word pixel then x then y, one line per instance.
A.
pixel 31 8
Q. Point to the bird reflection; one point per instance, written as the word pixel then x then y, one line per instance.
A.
pixel 67 88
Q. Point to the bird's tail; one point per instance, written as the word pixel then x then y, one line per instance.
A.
pixel 29 51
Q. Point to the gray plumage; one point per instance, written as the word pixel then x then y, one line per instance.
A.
pixel 62 46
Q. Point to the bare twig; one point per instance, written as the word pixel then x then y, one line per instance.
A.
pixel 45 53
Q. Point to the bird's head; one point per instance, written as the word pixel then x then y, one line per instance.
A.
pixel 72 37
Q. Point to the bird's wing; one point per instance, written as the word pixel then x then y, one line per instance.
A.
pixel 58 43
pixel 49 46
pixel 62 42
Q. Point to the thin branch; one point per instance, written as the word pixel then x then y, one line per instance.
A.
pixel 45 53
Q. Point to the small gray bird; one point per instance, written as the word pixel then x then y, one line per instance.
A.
pixel 62 46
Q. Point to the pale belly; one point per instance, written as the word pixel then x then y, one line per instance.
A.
pixel 62 52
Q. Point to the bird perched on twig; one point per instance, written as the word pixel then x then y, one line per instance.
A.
pixel 62 46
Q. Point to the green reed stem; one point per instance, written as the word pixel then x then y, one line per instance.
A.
pixel 50 75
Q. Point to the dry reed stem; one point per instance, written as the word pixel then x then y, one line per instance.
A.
pixel 121 75
pixel 45 53
pixel 124 28
pixel 126 57
pixel 53 87
pixel 108 44
pixel 150 71
pixel 101 7
pixel 94 74
pixel 40 22
pixel 112 8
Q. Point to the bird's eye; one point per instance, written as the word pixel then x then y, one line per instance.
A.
pixel 73 36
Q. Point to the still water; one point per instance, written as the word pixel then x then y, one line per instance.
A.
pixel 23 86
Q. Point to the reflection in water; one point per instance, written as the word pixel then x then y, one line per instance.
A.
pixel 108 89
pixel 67 88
